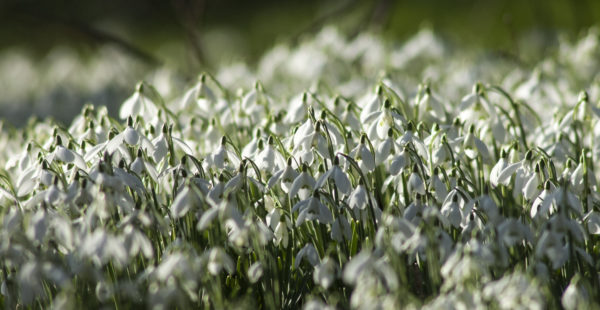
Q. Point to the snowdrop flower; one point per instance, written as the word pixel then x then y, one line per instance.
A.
pixel 131 207
pixel 201 96
pixel 160 145
pixel 102 247
pixel 522 169
pixel 297 108
pixel 66 155
pixel 348 117
pixel 255 272
pixel 486 204
pixel 543 204
pixel 32 178
pixel 371 104
pixel 339 178
pixel 140 165
pixel 53 194
pixel 139 104
pixel 465 263
pixel 500 167
pixel 576 295
pixel 184 201
pixel 325 273
pixel 136 242
pixel 512 232
pixel 366 267
pixel 22 161
pixel 223 157
pixel 307 139
pixel 315 304
pixel 530 190
pixel 409 137
pixel 439 188
pixel 82 194
pixel 269 159
pixel 309 253
pixel 331 131
pixel 414 211
pixel 471 106
pixel 251 149
pixel 303 184
pixel 355 268
pixel 281 234
pixel 312 208
pixel 131 136
pixel 415 182
pixel 429 105
pixel 358 199
pixel 381 122
pixel 172 265
pixel 30 282
pixel 472 144
pixel 398 163
pixel 219 260
pixel 514 291
pixel 551 246
pixel 38 226
pixel 451 210
pixel 363 155
pixel 341 230
pixel 212 136
pixel 255 103
pixel 592 220
pixel 285 177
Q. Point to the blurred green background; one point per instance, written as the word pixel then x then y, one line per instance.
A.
pixel 205 33
pixel 192 36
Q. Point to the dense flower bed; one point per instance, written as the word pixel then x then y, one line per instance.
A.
pixel 416 186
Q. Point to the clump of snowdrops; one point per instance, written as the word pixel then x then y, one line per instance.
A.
pixel 355 192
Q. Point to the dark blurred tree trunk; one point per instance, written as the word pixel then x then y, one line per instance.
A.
pixel 190 14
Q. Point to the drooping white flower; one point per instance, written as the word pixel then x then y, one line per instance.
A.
pixel 309 253
pixel 312 208
pixel 339 178
pixel 139 104
pixel 285 177
pixel 297 108
pixel 430 105
pixel 223 157
pixel 576 295
pixel 341 230
pixel 269 159
pixel 592 220
pixel 303 184
pixel 474 146
pixel 363 155
pixel 185 200
pixel 65 155
pixel 325 273
pixel 371 104
pixel 452 211
pixel 219 260
pixel 200 95
pixel 415 182
pixel 281 234
pixel 358 199
pixel 255 271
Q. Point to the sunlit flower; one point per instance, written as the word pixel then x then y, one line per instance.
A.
pixel 139 104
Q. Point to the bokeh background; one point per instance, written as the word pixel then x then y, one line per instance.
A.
pixel 56 56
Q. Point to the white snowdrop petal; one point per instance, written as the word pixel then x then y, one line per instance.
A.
pixel 507 172
pixel 131 136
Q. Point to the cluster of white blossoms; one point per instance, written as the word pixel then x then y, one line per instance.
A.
pixel 367 189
